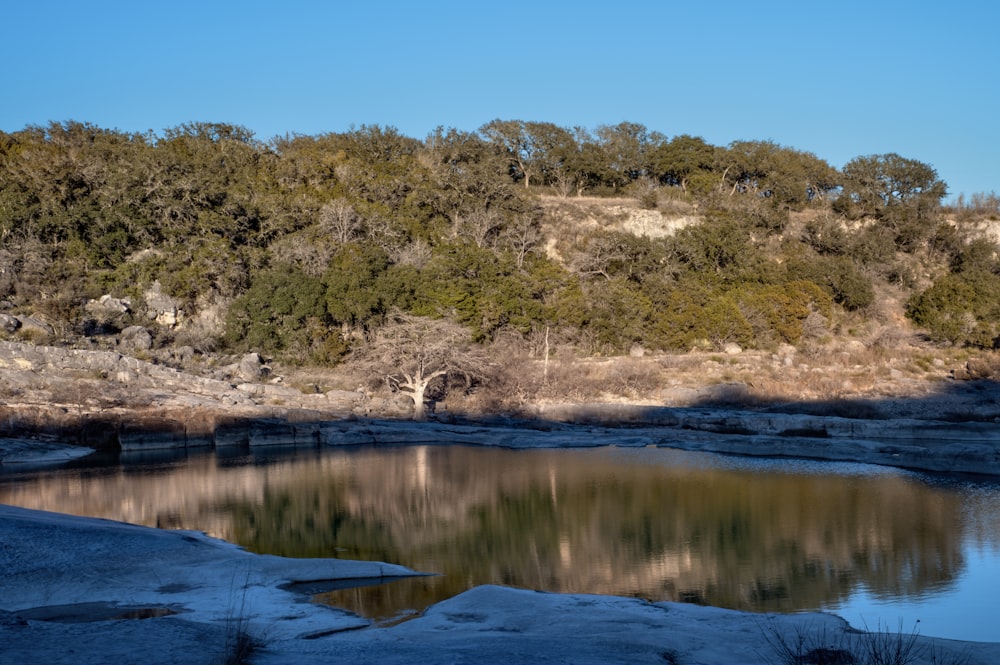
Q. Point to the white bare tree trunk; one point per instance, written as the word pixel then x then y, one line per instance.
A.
pixel 419 405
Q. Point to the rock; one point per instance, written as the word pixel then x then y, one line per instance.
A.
pixel 732 349
pixel 786 350
pixel 136 338
pixel 855 347
pixel 9 323
pixel 160 307
pixel 151 433
pixel 251 367
pixel 981 369
pixel 11 619
pixel 108 306
pixel 183 354
pixel 33 326
pixel 636 351
pixel 344 399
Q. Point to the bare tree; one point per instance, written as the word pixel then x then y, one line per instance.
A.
pixel 480 226
pixel 521 236
pixel 338 219
pixel 414 352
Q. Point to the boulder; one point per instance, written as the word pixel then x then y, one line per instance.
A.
pixel 251 367
pixel 136 338
pixel 160 307
pixel 106 306
pixel 9 323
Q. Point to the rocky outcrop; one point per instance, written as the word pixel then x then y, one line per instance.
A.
pixel 111 400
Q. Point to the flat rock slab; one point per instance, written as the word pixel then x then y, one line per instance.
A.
pixel 32 452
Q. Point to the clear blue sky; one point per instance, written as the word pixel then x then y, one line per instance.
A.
pixel 837 79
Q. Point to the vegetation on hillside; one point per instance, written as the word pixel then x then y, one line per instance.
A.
pixel 306 247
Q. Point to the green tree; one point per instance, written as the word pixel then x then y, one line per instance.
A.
pixel 513 140
pixel 283 313
pixel 784 176
pixel 628 149
pixel 903 194
pixel 469 177
pixel 361 285
pixel 479 288
pixel 963 306
pixel 682 158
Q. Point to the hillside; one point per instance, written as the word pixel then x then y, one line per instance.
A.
pixel 490 270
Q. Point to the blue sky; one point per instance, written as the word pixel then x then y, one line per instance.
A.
pixel 836 79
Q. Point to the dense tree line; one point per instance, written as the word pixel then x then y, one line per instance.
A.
pixel 312 242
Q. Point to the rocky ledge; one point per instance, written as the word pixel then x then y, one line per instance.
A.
pixel 120 402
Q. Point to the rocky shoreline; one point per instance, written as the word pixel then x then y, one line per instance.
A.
pixel 118 402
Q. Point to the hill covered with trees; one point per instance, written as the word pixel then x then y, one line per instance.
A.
pixel 523 235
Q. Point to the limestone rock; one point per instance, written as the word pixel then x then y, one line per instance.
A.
pixel 251 367
pixel 136 338
pixel 160 307
pixel 107 306
pixel 9 323
pixel 150 433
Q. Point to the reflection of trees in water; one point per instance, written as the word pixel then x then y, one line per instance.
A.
pixel 599 521
pixel 584 522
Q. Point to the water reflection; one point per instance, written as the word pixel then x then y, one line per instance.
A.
pixel 653 523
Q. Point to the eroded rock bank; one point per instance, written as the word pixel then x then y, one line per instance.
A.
pixel 103 399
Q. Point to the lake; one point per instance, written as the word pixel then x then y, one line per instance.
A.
pixel 879 546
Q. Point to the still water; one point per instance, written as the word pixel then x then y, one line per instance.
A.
pixel 880 547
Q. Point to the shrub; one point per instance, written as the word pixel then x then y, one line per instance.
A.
pixel 778 312
pixel 283 313
pixel 960 308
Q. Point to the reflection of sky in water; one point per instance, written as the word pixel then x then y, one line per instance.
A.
pixel 966 611
pixel 968 608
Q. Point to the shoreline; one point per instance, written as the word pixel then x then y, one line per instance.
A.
pixel 916 444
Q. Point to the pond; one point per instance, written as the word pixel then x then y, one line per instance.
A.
pixel 880 547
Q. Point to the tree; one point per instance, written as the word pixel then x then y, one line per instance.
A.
pixel 904 194
pixel 783 176
pixel 414 353
pixel 555 149
pixel 467 175
pixel 628 150
pixel 511 138
pixel 283 313
pixel 683 157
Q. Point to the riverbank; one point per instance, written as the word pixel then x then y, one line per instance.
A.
pixel 57 397
pixel 86 590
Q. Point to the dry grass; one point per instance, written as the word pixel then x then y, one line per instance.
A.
pixel 842 377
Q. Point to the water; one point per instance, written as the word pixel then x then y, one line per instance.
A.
pixel 881 547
